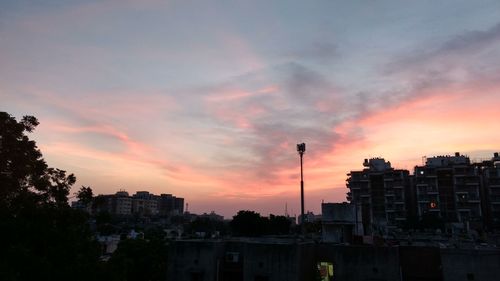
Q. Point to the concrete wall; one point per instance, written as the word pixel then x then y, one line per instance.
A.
pixel 187 258
pixel 461 264
pixel 208 260
pixel 361 263
pixel 292 260
pixel 274 261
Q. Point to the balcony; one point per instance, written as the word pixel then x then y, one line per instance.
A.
pixel 432 190
pixel 423 200
pixel 472 183
pixel 495 199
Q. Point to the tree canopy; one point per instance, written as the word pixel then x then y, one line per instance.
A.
pixel 25 177
pixel 250 223
pixel 42 238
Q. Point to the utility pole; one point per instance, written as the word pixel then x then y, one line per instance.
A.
pixel 301 148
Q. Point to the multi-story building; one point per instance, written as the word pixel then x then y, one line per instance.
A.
pixel 165 204
pixel 178 205
pixel 144 203
pixel 490 172
pixel 141 203
pixel 121 203
pixel 448 187
pixel 381 193
pixel 170 205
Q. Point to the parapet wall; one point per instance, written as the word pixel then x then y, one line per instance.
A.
pixel 294 260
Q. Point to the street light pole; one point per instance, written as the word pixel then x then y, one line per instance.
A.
pixel 301 148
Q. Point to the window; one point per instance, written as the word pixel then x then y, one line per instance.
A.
pixel 325 271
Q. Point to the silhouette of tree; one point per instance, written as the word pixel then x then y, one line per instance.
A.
pixel 248 223
pixel 42 238
pixel 85 195
pixel 24 175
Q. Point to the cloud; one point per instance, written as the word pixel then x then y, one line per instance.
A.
pixel 319 51
pixel 268 112
pixel 462 59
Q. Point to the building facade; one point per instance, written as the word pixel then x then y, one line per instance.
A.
pixel 448 192
pixel 293 260
pixel 449 187
pixel 144 203
pixel 380 193
pixel 340 222
pixel 170 205
pixel 141 203
pixel 490 172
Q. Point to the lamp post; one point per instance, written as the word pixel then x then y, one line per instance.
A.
pixel 301 148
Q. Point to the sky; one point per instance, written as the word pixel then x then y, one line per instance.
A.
pixel 207 100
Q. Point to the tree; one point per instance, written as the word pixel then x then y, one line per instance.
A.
pixel 24 175
pixel 41 237
pixel 248 223
pixel 85 195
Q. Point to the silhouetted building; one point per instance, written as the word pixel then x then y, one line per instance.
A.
pixel 179 205
pixel 340 222
pixel 141 203
pixel 490 172
pixel 212 216
pixel 448 187
pixel 121 203
pixel 165 204
pixel 309 217
pixel 170 205
pixel 380 191
pixel 144 203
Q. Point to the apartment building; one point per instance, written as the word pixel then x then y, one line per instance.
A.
pixel 144 203
pixel 380 193
pixel 121 203
pixel 449 187
pixel 490 172
pixel 140 203
pixel 170 205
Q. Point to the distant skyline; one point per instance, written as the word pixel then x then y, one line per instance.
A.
pixel 207 99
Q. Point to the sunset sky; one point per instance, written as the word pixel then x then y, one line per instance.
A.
pixel 207 99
